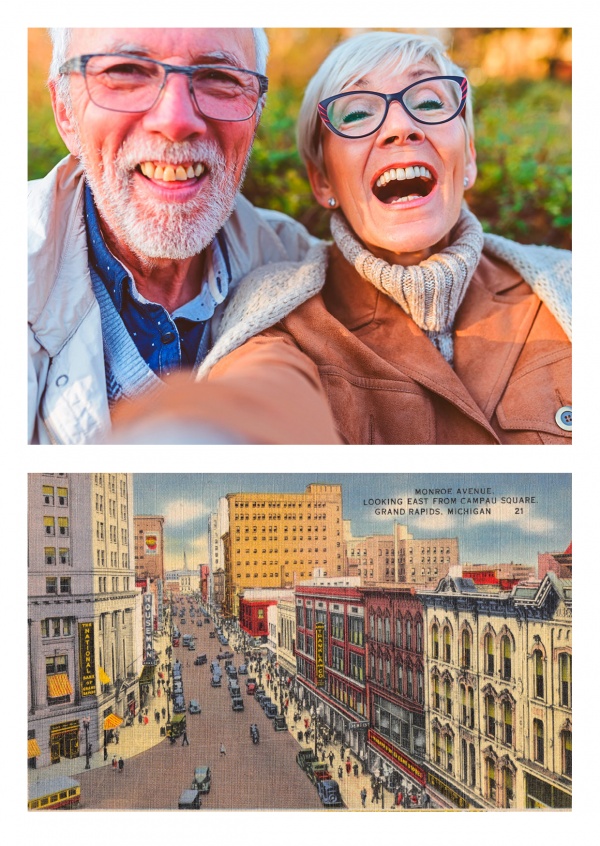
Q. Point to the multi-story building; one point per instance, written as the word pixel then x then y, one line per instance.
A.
pixel 286 636
pixel 149 547
pixel 498 716
pixel 85 650
pixel 330 658
pixel 399 558
pixel 560 563
pixel 274 539
pixel 395 684
pixel 188 578
pixel 254 604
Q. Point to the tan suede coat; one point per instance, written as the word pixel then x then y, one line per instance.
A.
pixel 387 384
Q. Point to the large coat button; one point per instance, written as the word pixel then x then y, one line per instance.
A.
pixel 564 418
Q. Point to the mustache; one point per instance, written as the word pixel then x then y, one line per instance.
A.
pixel 133 152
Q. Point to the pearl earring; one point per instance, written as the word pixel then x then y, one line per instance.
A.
pixel 332 202
pixel 466 182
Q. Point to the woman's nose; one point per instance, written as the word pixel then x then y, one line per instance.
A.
pixel 399 127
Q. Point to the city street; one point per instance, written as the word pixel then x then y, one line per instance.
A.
pixel 248 776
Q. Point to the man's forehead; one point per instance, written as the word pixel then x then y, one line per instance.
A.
pixel 190 45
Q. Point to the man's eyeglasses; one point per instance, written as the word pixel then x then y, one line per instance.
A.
pixel 356 114
pixel 122 82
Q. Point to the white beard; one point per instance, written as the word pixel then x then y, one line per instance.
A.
pixel 164 230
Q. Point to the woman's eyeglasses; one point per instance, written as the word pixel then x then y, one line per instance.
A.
pixel 356 114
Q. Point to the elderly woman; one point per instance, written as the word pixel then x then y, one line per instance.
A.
pixel 421 328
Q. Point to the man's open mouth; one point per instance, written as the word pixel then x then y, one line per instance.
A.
pixel 401 185
pixel 171 172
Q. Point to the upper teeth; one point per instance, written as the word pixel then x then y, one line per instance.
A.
pixel 403 173
pixel 171 173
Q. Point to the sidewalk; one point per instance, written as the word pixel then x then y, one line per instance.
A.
pixel 132 740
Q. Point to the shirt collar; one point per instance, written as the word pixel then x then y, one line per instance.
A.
pixel 115 276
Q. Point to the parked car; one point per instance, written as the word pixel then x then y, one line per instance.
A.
pixel 215 681
pixel 179 705
pixel 270 710
pixel 251 688
pixel 260 691
pixel 264 701
pixel 279 724
pixel 318 771
pixel 305 758
pixel 234 688
pixel 200 659
pixel 189 800
pixel 243 670
pixel 192 646
pixel 202 779
pixel 250 680
pixel 194 707
pixel 232 672
pixel 329 793
pixel 237 703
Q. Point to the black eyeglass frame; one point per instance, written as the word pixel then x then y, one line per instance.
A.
pixel 78 64
pixel 391 98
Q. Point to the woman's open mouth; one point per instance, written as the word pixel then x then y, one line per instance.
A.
pixel 402 185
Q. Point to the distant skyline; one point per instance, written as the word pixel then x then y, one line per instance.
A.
pixel 506 534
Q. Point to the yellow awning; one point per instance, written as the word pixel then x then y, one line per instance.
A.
pixel 59 685
pixel 104 679
pixel 33 750
pixel 147 673
pixel 112 721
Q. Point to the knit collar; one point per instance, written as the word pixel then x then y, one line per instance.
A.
pixel 430 292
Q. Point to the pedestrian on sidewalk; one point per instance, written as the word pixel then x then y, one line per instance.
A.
pixel 185 741
pixel 331 757
pixel 164 713
pixel 363 796
pixel 222 749
pixel 145 719
pixel 355 769
pixel 140 718
pixel 121 765
pixel 114 763
pixel 340 772
pixel 106 753
pixel 117 735
pixel 348 765
pixel 157 716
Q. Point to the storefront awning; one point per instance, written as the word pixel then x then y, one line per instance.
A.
pixel 33 750
pixel 112 721
pixel 147 674
pixel 104 679
pixel 59 685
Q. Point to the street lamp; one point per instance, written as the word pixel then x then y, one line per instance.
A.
pixel 86 725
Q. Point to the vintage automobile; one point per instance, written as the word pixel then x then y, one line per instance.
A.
pixel 215 680
pixel 251 688
pixel 212 634
pixel 317 771
pixel 200 659
pixel 279 724
pixel 194 707
pixel 176 725
pixel 270 710
pixel 179 705
pixel 237 703
pixel 202 779
pixel 329 793
pixel 189 800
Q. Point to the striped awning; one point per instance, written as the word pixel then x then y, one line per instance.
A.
pixel 59 685
pixel 112 721
pixel 104 679
pixel 33 750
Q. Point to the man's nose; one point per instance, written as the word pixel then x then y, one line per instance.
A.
pixel 175 114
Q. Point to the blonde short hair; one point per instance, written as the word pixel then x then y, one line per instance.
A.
pixel 357 57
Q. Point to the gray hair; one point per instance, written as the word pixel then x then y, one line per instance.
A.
pixel 61 40
pixel 357 57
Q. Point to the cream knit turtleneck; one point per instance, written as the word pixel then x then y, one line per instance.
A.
pixel 430 292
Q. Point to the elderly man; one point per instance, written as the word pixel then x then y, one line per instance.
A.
pixel 139 236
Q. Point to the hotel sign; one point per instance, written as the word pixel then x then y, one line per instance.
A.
pixel 87 661
pixel 396 756
pixel 148 629
pixel 151 543
pixel 320 654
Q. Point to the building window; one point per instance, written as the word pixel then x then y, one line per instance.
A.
pixel 388 673
pixel 436 693
pixel 435 642
pixel 408 634
pixel 63 526
pixel 447 645
pixel 50 555
pixel 538 741
pixel 507 714
pixel 357 666
pixel 45 628
pixel 436 746
pixel 379 630
pixel 448 697
pixel 356 630
pixel 490 716
pixel 48 494
pixel 399 677
pixel 388 631
pixel 564 674
pixel 337 658
pixel 506 652
pixel 399 631
pixel 472 765
pixel 65 557
pixel 49 527
pixel 420 698
pixel 566 741
pixel 464 761
pixel 63 496
pixel 509 789
pixel 538 668
pixel 309 618
pixel 488 648
pixel 419 634
pixel 51 585
pixel 65 584
pixel 337 626
pixel 490 767
pixel 466 649
pixel 449 753
pixel 409 682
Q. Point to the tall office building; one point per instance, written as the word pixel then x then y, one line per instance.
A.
pixel 276 539
pixel 149 547
pixel 84 612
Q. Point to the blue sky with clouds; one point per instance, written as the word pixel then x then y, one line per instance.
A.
pixel 507 534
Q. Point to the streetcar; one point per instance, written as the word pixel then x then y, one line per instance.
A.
pixel 59 792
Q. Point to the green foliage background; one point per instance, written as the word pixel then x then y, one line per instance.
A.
pixel 523 141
